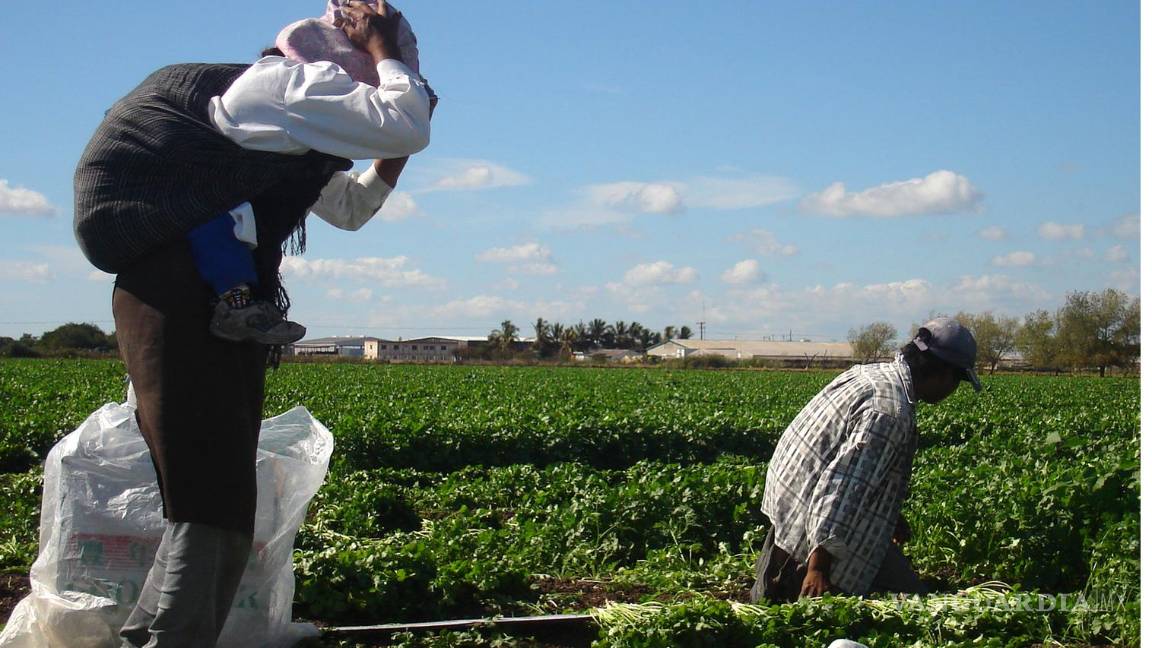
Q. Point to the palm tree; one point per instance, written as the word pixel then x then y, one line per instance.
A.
pixel 541 328
pixel 582 342
pixel 568 341
pixel 597 329
pixel 669 333
pixel 504 336
pixel 556 333
pixel 648 339
pixel 685 332
pixel 620 335
pixel 635 334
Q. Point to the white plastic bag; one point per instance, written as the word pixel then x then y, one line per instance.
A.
pixel 100 524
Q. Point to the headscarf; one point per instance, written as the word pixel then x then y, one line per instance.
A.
pixel 318 39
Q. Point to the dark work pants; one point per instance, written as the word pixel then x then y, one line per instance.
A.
pixel 199 406
pixel 779 577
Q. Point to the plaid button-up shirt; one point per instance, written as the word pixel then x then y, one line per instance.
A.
pixel 840 472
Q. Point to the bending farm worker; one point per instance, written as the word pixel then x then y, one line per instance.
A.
pixel 840 472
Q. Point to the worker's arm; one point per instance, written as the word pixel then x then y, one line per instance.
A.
pixel 283 106
pixel 350 200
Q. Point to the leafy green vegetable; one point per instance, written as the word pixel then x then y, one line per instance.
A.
pixel 460 491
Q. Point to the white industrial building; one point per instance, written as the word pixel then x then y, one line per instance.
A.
pixel 801 354
pixel 623 356
pixel 346 347
pixel 425 349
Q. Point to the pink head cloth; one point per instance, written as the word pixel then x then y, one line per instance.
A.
pixel 318 39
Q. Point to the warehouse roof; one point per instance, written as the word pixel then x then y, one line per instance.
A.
pixel 763 348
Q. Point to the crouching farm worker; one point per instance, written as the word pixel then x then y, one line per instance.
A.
pixel 193 142
pixel 839 474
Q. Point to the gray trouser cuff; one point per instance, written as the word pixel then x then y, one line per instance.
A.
pixel 186 598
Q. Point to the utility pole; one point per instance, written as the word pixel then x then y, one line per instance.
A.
pixel 703 316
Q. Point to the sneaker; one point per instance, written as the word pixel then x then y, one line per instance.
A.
pixel 259 322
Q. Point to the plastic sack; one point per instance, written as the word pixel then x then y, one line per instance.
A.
pixel 100 525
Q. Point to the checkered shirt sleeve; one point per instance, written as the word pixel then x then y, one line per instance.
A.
pixel 840 472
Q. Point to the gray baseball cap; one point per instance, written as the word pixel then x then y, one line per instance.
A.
pixel 953 343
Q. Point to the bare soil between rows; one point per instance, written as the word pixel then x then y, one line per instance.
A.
pixel 13 587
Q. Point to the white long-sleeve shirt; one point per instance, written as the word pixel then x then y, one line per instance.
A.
pixel 281 106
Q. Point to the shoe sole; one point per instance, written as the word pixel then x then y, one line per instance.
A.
pixel 259 339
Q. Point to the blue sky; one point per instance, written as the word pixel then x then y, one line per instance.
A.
pixel 807 166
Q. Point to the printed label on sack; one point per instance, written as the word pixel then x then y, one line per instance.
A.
pixel 115 567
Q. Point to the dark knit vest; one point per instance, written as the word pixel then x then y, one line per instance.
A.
pixel 156 168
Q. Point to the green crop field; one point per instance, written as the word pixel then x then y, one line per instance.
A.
pixel 463 491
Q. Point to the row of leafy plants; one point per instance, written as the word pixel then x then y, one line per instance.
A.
pixel 464 490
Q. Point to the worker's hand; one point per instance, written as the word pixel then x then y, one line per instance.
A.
pixel 371 29
pixel 903 532
pixel 816 583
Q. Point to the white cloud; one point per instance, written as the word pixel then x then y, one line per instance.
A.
pixel 358 296
pixel 477 174
pixel 744 272
pixel 18 200
pixel 1127 279
pixel 490 308
pixel 657 273
pixel 695 193
pixel 525 252
pixel 617 203
pixel 985 289
pixel 583 217
pixel 832 309
pixel 993 233
pixel 398 206
pixel 643 285
pixel 642 197
pixel 1015 259
pixel 25 271
pixel 480 306
pixel 1127 227
pixel 638 299
pixel 1116 254
pixel 912 289
pixel 1058 232
pixel 909 289
pixel 384 271
pixel 737 193
pixel 816 308
pixel 65 260
pixel 940 192
pixel 53 262
pixel 764 243
pixel 538 269
pixel 528 259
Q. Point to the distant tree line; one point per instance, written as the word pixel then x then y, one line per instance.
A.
pixel 1093 330
pixel 558 340
pixel 69 339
